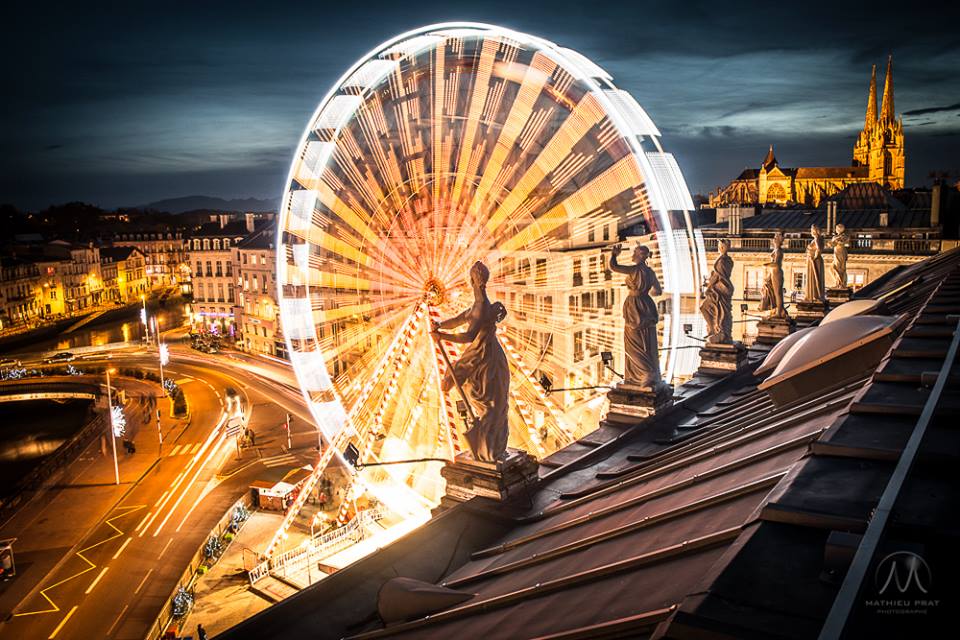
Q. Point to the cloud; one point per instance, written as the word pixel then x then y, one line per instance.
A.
pixel 920 112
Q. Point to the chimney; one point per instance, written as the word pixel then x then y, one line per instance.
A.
pixel 884 219
pixel 733 220
pixel 831 217
pixel 249 217
pixel 222 219
pixel 935 205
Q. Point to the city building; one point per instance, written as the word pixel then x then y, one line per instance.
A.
pixel 30 291
pixel 80 273
pixel 878 157
pixel 212 277
pixel 256 310
pixel 124 274
pixel 164 254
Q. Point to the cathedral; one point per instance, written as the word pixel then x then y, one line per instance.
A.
pixel 878 157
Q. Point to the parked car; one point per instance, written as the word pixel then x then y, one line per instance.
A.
pixel 63 356
pixel 9 362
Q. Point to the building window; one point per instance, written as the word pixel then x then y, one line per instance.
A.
pixel 753 283
pixel 216 244
pixel 799 278
pixel 606 232
pixel 856 278
pixel 577 274
pixel 577 346
pixel 206 244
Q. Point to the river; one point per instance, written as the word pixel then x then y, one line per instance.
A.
pixel 31 430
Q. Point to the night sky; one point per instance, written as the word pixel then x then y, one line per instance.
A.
pixel 139 101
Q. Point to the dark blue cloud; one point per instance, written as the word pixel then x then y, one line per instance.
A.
pixel 144 100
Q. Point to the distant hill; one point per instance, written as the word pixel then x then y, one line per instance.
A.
pixel 209 203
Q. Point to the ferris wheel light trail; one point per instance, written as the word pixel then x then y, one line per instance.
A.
pixel 446 145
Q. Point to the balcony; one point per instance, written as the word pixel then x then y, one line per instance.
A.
pixel 895 246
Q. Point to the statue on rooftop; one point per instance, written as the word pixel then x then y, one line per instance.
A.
pixel 771 297
pixel 841 247
pixel 640 320
pixel 814 287
pixel 481 373
pixel 717 306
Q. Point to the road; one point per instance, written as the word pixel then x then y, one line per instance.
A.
pixel 125 569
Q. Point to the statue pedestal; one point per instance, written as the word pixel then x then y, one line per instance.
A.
pixel 810 312
pixel 721 359
pixel 467 478
pixel 772 330
pixel 630 404
pixel 837 297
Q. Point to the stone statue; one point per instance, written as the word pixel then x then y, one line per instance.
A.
pixel 717 307
pixel 640 320
pixel 814 288
pixel 482 371
pixel 771 297
pixel 841 247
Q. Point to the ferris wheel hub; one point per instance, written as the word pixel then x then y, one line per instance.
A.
pixel 434 293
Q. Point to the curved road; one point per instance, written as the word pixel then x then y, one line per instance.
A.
pixel 115 581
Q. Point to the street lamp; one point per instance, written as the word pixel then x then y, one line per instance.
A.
pixel 112 423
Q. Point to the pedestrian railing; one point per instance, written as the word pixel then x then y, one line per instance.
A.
pixel 320 547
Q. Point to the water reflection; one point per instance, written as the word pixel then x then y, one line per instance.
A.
pixel 32 430
pixel 125 330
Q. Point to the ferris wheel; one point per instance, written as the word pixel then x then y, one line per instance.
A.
pixel 446 145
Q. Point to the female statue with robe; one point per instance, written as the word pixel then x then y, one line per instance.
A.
pixel 771 297
pixel 640 320
pixel 814 288
pixel 841 246
pixel 482 371
pixel 717 306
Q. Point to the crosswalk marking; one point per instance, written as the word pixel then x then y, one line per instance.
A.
pixel 279 460
pixel 194 448
pixel 174 451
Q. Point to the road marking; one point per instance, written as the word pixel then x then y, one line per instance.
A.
pixel 195 448
pixel 147 525
pixel 109 522
pixel 97 579
pixel 183 381
pixel 142 522
pixel 165 547
pixel 193 462
pixel 140 586
pixel 62 622
pixel 175 450
pixel 122 611
pixel 122 547
pixel 279 461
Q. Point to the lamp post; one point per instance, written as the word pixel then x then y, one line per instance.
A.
pixel 113 439
pixel 143 316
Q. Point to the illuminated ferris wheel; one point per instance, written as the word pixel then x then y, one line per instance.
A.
pixel 447 145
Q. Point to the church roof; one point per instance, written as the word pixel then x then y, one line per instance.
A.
pixel 712 520
pixel 814 173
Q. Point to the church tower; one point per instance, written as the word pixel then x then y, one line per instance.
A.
pixel 880 145
pixel 861 150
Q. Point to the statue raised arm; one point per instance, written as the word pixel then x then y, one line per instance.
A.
pixel 640 319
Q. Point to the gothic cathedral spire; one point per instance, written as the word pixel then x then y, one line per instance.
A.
pixel 886 108
pixel 870 121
